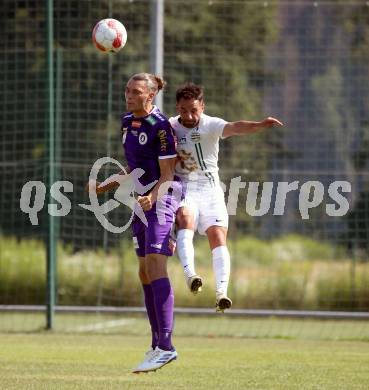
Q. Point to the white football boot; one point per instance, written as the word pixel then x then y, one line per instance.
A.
pixel 155 360
pixel 147 357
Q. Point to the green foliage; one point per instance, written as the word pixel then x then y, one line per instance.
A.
pixel 291 248
pixel 292 272
pixel 220 46
pixel 349 289
pixel 22 271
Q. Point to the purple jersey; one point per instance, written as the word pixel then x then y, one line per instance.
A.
pixel 145 141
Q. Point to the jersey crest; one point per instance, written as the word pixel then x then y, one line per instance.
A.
pixel 142 138
pixel 195 136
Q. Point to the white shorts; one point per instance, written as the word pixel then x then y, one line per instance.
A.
pixel 208 206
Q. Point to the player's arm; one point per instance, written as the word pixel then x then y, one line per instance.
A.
pixel 248 127
pixel 109 184
pixel 167 157
pixel 166 175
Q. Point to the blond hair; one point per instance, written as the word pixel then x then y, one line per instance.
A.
pixel 154 82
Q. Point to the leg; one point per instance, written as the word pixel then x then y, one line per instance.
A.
pixel 217 236
pixel 149 302
pixel 185 221
pixel 158 245
pixel 153 268
pixel 138 230
pixel 156 269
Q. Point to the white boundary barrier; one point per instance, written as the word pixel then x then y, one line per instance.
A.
pixel 344 315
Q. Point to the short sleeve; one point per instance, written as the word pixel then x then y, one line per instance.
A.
pixel 166 141
pixel 215 126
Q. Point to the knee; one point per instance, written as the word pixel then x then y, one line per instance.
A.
pixel 184 219
pixel 156 266
pixel 151 265
pixel 217 237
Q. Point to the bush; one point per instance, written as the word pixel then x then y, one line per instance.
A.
pixel 291 272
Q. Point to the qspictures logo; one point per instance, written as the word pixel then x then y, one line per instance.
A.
pixel 311 194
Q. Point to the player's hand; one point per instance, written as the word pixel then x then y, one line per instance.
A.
pixel 270 122
pixel 145 202
pixel 92 186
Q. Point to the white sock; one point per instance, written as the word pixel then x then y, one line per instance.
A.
pixel 222 269
pixel 186 251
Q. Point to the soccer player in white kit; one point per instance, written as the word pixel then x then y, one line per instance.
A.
pixel 203 207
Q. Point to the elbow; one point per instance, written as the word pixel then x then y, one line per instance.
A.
pixel 169 176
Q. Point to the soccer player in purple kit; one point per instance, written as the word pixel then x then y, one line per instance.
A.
pixel 149 144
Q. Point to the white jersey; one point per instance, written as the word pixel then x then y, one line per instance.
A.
pixel 198 149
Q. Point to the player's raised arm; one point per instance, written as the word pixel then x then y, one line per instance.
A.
pixel 109 184
pixel 248 127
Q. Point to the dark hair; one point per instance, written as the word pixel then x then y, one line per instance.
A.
pixel 154 83
pixel 190 91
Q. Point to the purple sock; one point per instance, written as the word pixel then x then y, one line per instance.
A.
pixel 151 313
pixel 164 304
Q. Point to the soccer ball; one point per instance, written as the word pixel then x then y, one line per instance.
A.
pixel 109 35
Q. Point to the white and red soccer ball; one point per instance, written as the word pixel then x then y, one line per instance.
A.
pixel 109 35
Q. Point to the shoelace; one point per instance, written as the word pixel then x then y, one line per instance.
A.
pixel 154 355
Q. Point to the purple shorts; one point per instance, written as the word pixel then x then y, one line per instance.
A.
pixel 157 236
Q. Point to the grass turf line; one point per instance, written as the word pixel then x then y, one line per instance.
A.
pixel 62 361
pixel 190 326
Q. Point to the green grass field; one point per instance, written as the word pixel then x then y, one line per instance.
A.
pixel 97 351
pixel 66 361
